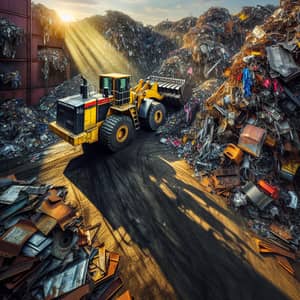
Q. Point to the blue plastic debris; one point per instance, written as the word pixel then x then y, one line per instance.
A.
pixel 247 82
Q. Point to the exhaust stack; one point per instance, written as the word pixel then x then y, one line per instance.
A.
pixel 84 88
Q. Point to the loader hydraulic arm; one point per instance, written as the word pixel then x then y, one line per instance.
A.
pixel 145 90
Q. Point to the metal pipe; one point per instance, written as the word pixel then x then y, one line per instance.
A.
pixel 84 88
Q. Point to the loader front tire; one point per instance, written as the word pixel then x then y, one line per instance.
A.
pixel 156 116
pixel 116 132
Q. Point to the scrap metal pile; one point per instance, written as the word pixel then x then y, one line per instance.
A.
pixel 23 129
pixel 210 44
pixel 244 141
pixel 53 59
pixel 11 36
pixel 176 30
pixel 141 45
pixel 11 78
pixel 46 252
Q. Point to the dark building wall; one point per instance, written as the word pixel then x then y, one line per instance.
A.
pixel 26 60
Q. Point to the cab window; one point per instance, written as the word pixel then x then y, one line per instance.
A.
pixel 106 83
pixel 123 84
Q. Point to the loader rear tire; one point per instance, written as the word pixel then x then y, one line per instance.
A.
pixel 156 116
pixel 116 132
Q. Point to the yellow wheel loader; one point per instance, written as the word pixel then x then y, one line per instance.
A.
pixel 112 116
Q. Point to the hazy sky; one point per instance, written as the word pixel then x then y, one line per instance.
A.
pixel 146 11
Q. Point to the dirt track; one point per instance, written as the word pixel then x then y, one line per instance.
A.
pixel 176 241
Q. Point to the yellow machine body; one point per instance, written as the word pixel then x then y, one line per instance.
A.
pixel 80 118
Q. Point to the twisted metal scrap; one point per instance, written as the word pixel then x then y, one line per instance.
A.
pixel 11 36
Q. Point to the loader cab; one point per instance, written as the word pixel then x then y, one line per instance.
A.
pixel 116 85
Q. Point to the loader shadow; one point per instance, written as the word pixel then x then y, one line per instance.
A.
pixel 200 256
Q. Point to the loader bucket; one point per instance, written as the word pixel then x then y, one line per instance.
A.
pixel 175 91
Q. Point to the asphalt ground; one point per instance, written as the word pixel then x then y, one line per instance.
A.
pixel 176 241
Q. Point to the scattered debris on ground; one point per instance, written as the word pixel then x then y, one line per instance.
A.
pixel 243 142
pixel 46 251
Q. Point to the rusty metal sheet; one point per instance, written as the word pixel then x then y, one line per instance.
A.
pixel 13 240
pixel 112 289
pixel 45 224
pixel 102 259
pixel 125 296
pixel 53 196
pixel 113 264
pixel 84 238
pixel 19 279
pixel 59 211
pixel 268 247
pixel 67 281
pixel 281 231
pixel 19 265
pixel 78 293
pixel 284 263
pixel 226 178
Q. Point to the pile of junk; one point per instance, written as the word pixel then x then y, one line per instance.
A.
pixel 24 129
pixel 46 249
pixel 243 140
pixel 208 46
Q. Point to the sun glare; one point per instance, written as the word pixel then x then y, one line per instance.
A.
pixel 66 17
pixel 99 56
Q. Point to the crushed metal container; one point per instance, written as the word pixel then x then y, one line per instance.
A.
pixel 252 140
pixel 257 197
pixel 282 62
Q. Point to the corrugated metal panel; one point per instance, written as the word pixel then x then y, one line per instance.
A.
pixel 18 7
pixel 36 27
pixel 17 12
pixel 37 79
pixel 13 94
pixel 26 60
pixel 36 94
pixel 36 40
pixel 36 75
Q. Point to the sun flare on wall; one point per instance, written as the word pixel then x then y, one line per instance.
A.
pixel 65 17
